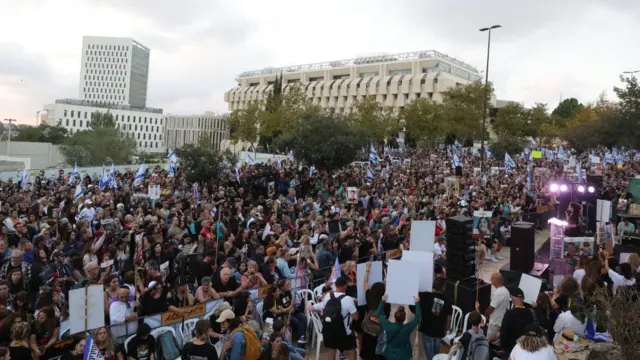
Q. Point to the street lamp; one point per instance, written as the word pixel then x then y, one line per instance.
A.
pixel 486 91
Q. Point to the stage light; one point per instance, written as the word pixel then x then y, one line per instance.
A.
pixel 591 189
pixel 564 188
pixel 580 188
pixel 554 187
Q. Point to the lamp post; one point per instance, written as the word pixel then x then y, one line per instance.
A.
pixel 10 121
pixel 486 93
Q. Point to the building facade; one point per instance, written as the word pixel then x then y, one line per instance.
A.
pixel 190 129
pixel 392 80
pixel 145 125
pixel 114 71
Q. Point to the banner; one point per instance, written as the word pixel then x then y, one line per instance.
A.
pixel 536 154
pixel 171 317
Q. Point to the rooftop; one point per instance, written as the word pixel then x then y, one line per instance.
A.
pixel 376 59
pixel 107 106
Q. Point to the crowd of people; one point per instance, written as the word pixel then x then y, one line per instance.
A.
pixel 277 227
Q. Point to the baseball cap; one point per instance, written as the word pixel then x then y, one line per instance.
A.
pixel 226 315
pixel 517 292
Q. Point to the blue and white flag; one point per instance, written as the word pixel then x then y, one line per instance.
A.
pixel 196 194
pixel 103 181
pixel 91 351
pixel 291 158
pixel 53 175
pixel 74 173
pixel 213 211
pixel 487 151
pixel 336 273
pixel 24 179
pixel 579 170
pixel 456 161
pixel 529 176
pixel 457 144
pixel 370 176
pixel 112 177
pixel 373 154
pixel 508 162
pixel 173 157
pixel 238 175
pixel 312 171
pixel 140 174
pixel 248 159
pixel 78 192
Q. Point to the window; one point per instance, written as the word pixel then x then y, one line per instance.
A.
pixel 74 122
pixel 85 114
pixel 65 113
pixel 81 123
pixel 66 122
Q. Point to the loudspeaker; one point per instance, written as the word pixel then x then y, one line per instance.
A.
pixel 522 247
pixel 511 278
pixel 458 170
pixel 463 294
pixel 461 250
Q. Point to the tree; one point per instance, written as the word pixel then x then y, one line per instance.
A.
pixel 102 143
pixel 203 164
pixel 463 109
pixel 375 122
pixel 628 111
pixel 271 112
pixel 512 120
pixel 506 144
pixel 567 108
pixel 243 123
pixel 325 141
pixel 424 120
pixel 42 133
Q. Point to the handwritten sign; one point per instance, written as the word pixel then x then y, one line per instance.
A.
pixel 171 317
pixel 393 254
pixel 262 292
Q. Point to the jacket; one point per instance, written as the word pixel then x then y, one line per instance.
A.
pixel 26 273
pixel 398 344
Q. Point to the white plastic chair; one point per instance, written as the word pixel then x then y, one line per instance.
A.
pixel 306 295
pixel 259 308
pixel 456 321
pixel 318 292
pixel 187 329
pixel 465 323
pixel 317 333
pixel 307 313
pixel 454 354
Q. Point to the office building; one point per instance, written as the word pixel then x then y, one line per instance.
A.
pixel 181 130
pixel 114 71
pixel 392 80
pixel 145 125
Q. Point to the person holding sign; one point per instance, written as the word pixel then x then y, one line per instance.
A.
pixel 398 346
pixel 200 348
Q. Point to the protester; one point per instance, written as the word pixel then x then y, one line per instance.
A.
pixel 398 333
pixel 533 345
pixel 199 348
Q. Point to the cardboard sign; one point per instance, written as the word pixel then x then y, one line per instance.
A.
pixel 536 154
pixel 262 292
pixel 171 317
pixel 394 254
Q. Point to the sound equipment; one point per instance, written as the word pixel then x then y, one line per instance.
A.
pixel 461 248
pixel 596 180
pixel 511 278
pixel 463 294
pixel 522 246
pixel 458 170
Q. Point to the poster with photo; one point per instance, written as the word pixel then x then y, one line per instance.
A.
pixel 578 246
pixel 482 224
pixel 352 195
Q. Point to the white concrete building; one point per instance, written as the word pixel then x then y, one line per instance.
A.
pixel 114 71
pixel 393 80
pixel 189 129
pixel 145 125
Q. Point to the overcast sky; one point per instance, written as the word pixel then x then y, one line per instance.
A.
pixel 546 48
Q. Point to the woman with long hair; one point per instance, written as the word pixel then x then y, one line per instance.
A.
pixel 44 332
pixel 545 313
pixel 19 348
pixel 370 324
pixel 398 333
pixel 199 347
pixel 77 349
pixel 569 292
pixel 574 319
pixel 111 285
pixel 533 345
pixel 106 344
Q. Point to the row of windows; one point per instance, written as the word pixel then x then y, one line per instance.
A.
pixel 101 78
pixel 105 53
pixel 125 127
pixel 104 97
pixel 106 72
pixel 103 60
pixel 145 144
pixel 103 90
pixel 109 47
pixel 143 120
pixel 94 65
pixel 122 85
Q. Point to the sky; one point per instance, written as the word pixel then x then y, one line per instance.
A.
pixel 546 49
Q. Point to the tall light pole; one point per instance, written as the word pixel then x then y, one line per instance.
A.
pixel 486 93
pixel 10 121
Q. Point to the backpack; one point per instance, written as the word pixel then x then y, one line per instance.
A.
pixel 371 323
pixel 253 346
pixel 332 320
pixel 167 347
pixel 478 347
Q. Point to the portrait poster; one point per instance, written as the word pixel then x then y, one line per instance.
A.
pixel 482 224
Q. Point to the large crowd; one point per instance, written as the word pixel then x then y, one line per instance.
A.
pixel 278 229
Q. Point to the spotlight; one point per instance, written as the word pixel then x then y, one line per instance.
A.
pixel 564 188
pixel 581 188
pixel 591 189
pixel 554 187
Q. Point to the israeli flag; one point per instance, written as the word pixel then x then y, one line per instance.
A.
pixel 238 175
pixel 112 177
pixel 169 168
pixel 579 170
pixel 248 159
pixel 140 174
pixel 312 171
pixel 529 176
pixel 78 192
pixel 24 179
pixel 213 212
pixel 370 176
pixel 74 173
pixel 373 154
pixel 53 175
pixel 91 351
pixel 336 273
pixel 196 193
pixel 291 158
pixel 173 157
pixel 457 144
pixel 456 161
pixel 103 180
pixel 508 162
pixel 487 151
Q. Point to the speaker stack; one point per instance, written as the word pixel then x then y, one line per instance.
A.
pixel 461 250
pixel 522 247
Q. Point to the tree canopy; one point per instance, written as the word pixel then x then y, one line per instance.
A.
pixel 567 108
pixel 202 163
pixel 102 143
pixel 42 133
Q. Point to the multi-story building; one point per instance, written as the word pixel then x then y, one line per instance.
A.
pixel 190 129
pixel 145 125
pixel 392 80
pixel 114 71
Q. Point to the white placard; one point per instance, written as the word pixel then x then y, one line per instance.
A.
pixel 423 235
pixel 603 212
pixel 557 280
pixel 624 257
pixel 402 282
pixel 530 286
pixel 375 275
pixel 89 304
pixel 424 265
pixel 154 192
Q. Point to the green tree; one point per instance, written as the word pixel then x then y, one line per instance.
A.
pixel 42 133
pixel 628 112
pixel 375 122
pixel 424 121
pixel 512 120
pixel 464 109
pixel 325 141
pixel 102 143
pixel 203 164
pixel 506 144
pixel 244 123
pixel 567 108
pixel 270 116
